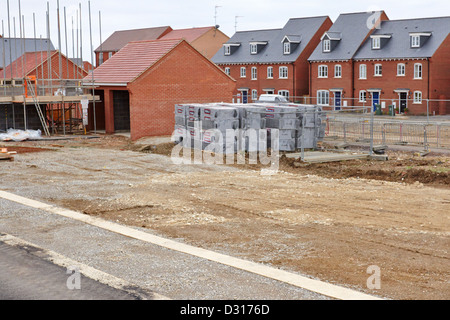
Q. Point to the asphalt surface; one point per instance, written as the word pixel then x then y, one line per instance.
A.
pixel 151 268
pixel 26 276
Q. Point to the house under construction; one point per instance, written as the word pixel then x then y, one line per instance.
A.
pixel 41 90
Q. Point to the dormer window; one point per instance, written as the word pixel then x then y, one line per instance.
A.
pixel 417 40
pixel 257 46
pixel 376 43
pixel 330 40
pixel 287 48
pixel 380 40
pixel 326 45
pixel 230 48
pixel 290 43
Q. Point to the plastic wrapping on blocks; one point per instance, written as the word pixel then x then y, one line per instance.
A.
pixel 284 123
pixel 180 121
pixel 218 113
pixel 278 112
pixel 180 110
pixel 307 138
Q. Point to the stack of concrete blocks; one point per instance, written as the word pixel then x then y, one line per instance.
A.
pixel 286 120
pixel 299 126
pixel 216 121
pixel 252 125
pixel 312 128
pixel 180 123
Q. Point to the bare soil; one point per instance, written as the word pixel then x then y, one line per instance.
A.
pixel 330 221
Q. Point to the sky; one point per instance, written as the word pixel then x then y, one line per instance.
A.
pixel 107 16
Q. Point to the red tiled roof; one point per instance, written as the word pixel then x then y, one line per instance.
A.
pixel 188 34
pixel 130 62
pixel 119 39
pixel 25 64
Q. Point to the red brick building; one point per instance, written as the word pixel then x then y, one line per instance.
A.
pixel 332 64
pixel 207 40
pixel 272 61
pixel 141 84
pixel 39 64
pixel 407 63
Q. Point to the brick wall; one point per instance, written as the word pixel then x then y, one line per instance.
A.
pixel 389 82
pixel 211 42
pixel 182 76
pixel 440 78
pixel 68 69
pixel 262 81
pixel 331 82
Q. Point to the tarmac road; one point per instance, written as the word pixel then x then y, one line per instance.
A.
pixel 26 276
pixel 152 271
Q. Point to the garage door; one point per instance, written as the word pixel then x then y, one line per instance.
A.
pixel 121 110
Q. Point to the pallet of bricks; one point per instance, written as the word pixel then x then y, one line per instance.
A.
pixel 297 125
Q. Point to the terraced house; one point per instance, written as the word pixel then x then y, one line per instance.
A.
pixel 272 61
pixel 405 63
pixel 332 62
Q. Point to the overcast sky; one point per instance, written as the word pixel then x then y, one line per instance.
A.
pixel 135 14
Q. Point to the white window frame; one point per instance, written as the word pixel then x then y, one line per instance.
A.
pixel 287 48
pixel 363 71
pixel 243 72
pixel 415 41
pixel 110 54
pixel 376 43
pixel 269 72
pixel 363 96
pixel 254 73
pixel 417 97
pixel 100 58
pixel 253 48
pixel 228 70
pixel 283 72
pixel 418 71
pixel 338 71
pixel 254 94
pixel 284 93
pixel 323 71
pixel 378 72
pixel 326 45
pixel 227 51
pixel 323 97
pixel 401 70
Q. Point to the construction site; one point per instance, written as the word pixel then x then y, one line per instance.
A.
pixel 351 190
pixel 40 87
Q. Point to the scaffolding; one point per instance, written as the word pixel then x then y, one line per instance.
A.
pixel 60 113
pixel 50 96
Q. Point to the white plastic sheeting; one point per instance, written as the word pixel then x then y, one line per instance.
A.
pixel 20 135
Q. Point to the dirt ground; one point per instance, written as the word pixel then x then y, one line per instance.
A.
pixel 329 221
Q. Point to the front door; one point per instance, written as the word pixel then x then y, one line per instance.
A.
pixel 375 100
pixel 403 101
pixel 337 100
pixel 244 96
